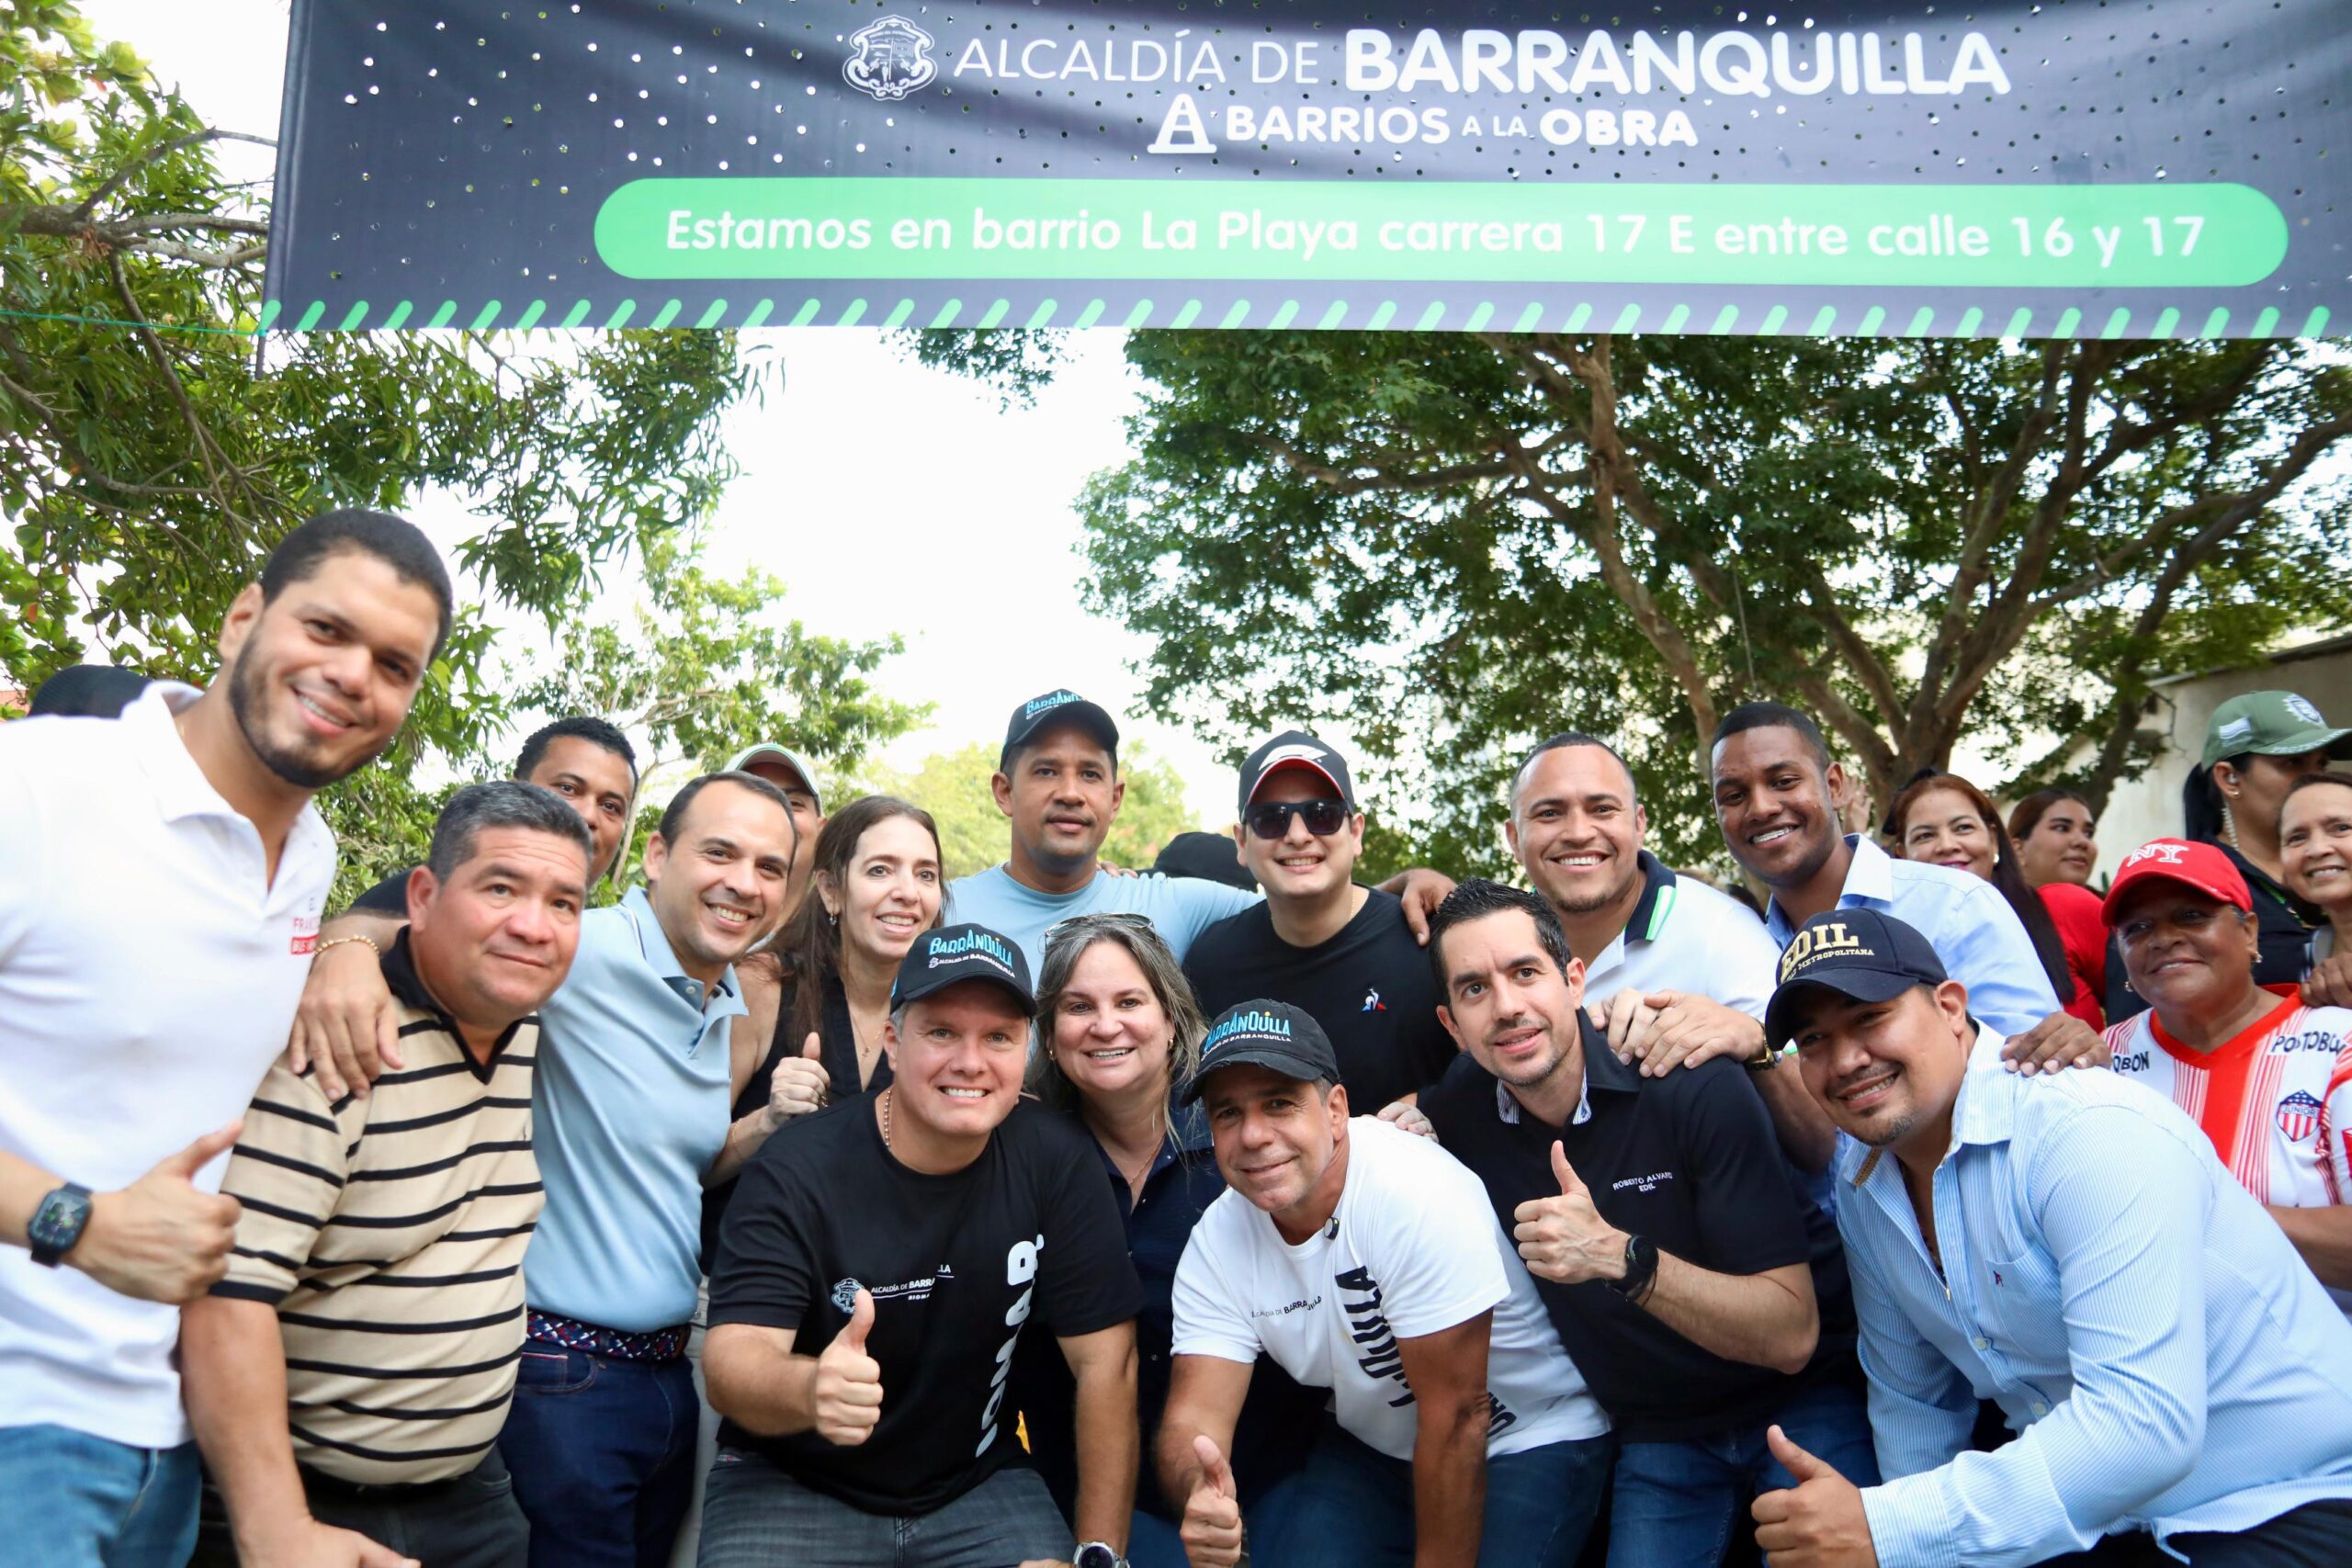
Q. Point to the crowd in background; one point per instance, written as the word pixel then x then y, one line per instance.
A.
pixel 1925 1204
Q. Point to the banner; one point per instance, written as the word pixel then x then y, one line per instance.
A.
pixel 2158 168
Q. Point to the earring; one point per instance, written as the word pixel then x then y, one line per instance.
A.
pixel 832 918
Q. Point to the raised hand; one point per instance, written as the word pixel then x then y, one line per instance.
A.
pixel 1212 1525
pixel 799 1086
pixel 1564 1239
pixel 161 1238
pixel 847 1393
pixel 1819 1523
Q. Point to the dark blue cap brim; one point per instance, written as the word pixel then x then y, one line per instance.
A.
pixel 1857 984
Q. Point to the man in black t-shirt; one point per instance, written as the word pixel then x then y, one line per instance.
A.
pixel 1337 950
pixel 873 1276
pixel 1663 1230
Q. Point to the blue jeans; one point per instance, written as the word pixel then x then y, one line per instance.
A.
pixel 76 1501
pixel 754 1515
pixel 1677 1504
pixel 1352 1503
pixel 603 1456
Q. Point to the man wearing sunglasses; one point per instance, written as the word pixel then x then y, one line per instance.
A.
pixel 1339 952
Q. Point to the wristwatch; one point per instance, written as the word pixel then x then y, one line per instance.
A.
pixel 1765 1059
pixel 1094 1554
pixel 1641 1266
pixel 57 1225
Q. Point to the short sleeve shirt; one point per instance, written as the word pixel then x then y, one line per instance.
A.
pixel 1689 1160
pixel 2276 1101
pixel 1369 985
pixel 958 1266
pixel 1179 908
pixel 1410 1251
pixel 1685 936
pixel 150 966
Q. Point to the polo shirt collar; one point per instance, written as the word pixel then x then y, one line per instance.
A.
pixel 655 947
pixel 1602 1070
pixel 1657 902
pixel 180 785
pixel 408 989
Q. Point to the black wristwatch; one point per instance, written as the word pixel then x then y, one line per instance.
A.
pixel 1094 1554
pixel 58 1223
pixel 1641 1266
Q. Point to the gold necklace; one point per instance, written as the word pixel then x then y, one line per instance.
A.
pixel 886 1121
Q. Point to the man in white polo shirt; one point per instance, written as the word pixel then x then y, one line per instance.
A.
pixel 1678 973
pixel 161 881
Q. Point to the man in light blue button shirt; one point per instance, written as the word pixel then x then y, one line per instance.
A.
pixel 630 1119
pixel 1772 781
pixel 2070 1248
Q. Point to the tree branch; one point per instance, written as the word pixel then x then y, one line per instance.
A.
pixel 114 181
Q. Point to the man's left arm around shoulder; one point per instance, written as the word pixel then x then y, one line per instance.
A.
pixel 1657 1032
pixel 1447 1371
pixel 1109 1442
pixel 232 1368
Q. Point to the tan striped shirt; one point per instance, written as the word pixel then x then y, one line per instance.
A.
pixel 389 1234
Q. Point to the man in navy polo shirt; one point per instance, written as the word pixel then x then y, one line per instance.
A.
pixel 1664 1229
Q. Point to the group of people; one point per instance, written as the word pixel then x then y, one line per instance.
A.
pixel 802 1205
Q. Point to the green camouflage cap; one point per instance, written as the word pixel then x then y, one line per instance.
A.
pixel 2272 724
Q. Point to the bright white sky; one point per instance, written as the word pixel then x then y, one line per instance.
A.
pixel 890 498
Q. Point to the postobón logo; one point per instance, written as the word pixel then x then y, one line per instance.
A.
pixel 893 59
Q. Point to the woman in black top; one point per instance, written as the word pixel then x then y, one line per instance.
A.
pixel 877 885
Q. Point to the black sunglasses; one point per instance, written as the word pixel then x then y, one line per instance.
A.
pixel 1271 819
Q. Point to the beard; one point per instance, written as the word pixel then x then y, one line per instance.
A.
pixel 1586 903
pixel 249 703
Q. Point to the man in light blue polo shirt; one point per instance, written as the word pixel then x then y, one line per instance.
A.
pixel 1057 783
pixel 2177 1379
pixel 630 1119
pixel 1772 781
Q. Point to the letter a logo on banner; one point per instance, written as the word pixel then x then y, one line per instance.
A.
pixel 893 59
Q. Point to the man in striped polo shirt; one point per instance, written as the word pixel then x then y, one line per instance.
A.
pixel 348 1380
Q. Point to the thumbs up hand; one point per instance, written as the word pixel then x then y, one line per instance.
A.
pixel 1818 1523
pixel 1564 1239
pixel 847 1393
pixel 1212 1527
pixel 161 1238
pixel 798 1086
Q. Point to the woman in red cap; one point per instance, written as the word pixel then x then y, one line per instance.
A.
pixel 2267 1078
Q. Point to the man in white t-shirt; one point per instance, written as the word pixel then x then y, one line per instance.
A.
pixel 1367 1261
pixel 161 881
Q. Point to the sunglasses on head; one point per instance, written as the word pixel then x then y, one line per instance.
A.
pixel 1270 818
pixel 1087 925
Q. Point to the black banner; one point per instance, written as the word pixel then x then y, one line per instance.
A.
pixel 2156 168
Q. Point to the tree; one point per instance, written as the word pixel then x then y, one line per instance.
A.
pixel 953 786
pixel 1456 543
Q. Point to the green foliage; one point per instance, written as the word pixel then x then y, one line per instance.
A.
pixel 1448 546
pixel 953 786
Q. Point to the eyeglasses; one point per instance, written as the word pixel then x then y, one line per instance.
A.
pixel 1081 925
pixel 1271 819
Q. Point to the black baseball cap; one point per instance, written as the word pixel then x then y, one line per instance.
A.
pixel 1855 953
pixel 86 691
pixel 1270 1034
pixel 953 955
pixel 1296 749
pixel 1062 706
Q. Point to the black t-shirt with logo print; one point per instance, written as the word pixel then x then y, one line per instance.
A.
pixel 1024 1240
pixel 1369 985
pixel 1689 1160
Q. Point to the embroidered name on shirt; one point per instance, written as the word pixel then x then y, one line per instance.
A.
pixel 1646 1183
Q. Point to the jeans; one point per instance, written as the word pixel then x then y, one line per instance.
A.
pixel 755 1516
pixel 471 1521
pixel 1352 1503
pixel 76 1501
pixel 601 1451
pixel 1676 1505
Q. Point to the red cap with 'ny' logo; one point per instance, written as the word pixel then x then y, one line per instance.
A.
pixel 2199 865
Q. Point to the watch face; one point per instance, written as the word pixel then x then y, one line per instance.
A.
pixel 1094 1554
pixel 57 1223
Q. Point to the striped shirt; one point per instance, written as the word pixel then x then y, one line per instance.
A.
pixel 389 1234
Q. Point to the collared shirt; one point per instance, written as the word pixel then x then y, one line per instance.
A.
pixel 630 1108
pixel 2167 1358
pixel 1980 939
pixel 149 970
pixel 387 1235
pixel 1179 908
pixel 1689 1160
pixel 1685 936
